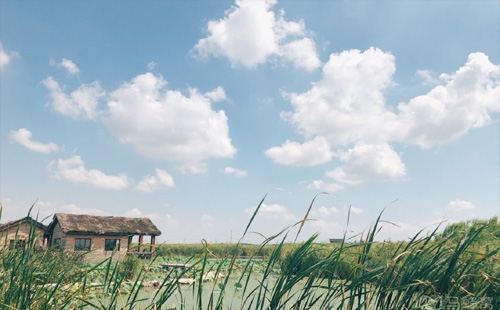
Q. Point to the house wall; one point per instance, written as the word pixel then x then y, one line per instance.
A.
pixel 57 234
pixel 23 233
pixel 97 252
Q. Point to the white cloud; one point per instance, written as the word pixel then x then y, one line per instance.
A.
pixel 70 66
pixel 251 32
pixel 81 102
pixel 355 210
pixel 167 125
pixel 368 162
pixel 302 53
pixel 234 171
pixel 310 153
pixel 217 94
pixel 23 136
pixel 151 65
pixel 160 218
pixel 427 76
pixel 6 57
pixel 447 112
pixel 460 205
pixel 329 229
pixel 134 212
pixel 272 212
pixel 193 167
pixel 345 106
pixel 73 170
pixel 322 186
pixel 324 211
pixel 161 179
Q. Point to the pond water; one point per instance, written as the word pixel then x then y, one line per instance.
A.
pixel 234 296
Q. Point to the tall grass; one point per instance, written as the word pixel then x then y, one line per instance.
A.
pixel 426 272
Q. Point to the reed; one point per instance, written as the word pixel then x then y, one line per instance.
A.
pixel 426 272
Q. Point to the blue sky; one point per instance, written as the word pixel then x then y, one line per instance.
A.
pixel 189 112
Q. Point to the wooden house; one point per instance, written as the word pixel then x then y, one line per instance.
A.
pixel 16 234
pixel 102 236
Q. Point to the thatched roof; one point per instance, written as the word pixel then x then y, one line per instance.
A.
pixel 28 220
pixel 104 225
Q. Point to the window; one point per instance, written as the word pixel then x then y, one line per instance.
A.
pixel 82 244
pixel 17 244
pixel 112 245
pixel 57 242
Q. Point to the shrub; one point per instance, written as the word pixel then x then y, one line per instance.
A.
pixel 130 267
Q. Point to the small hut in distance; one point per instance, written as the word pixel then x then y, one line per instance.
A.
pixel 102 236
pixel 16 233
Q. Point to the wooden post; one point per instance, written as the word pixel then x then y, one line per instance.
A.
pixel 141 238
pixel 129 243
pixel 152 245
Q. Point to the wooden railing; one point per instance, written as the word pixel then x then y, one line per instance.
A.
pixel 141 255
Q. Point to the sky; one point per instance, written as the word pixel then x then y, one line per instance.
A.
pixel 191 112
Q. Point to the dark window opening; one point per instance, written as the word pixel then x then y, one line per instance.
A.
pixel 112 245
pixel 82 244
pixel 17 244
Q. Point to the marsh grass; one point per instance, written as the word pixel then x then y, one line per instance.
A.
pixel 417 274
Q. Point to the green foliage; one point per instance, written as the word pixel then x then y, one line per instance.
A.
pixel 219 250
pixel 490 235
pixel 130 267
pixel 463 262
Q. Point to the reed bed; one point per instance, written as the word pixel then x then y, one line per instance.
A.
pixel 431 271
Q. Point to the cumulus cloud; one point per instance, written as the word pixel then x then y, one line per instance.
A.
pixel 302 53
pixel 161 179
pixel 345 106
pixel 157 122
pixel 272 212
pixel 217 94
pixel 460 205
pixel 324 211
pixel 82 102
pixel 250 33
pixel 73 170
pixel 23 136
pixel 70 66
pixel 167 125
pixel 427 76
pixel 368 162
pixel 321 185
pixel 234 171
pixel 6 57
pixel 310 153
pixel 466 101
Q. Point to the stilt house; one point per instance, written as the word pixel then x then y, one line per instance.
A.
pixel 102 236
